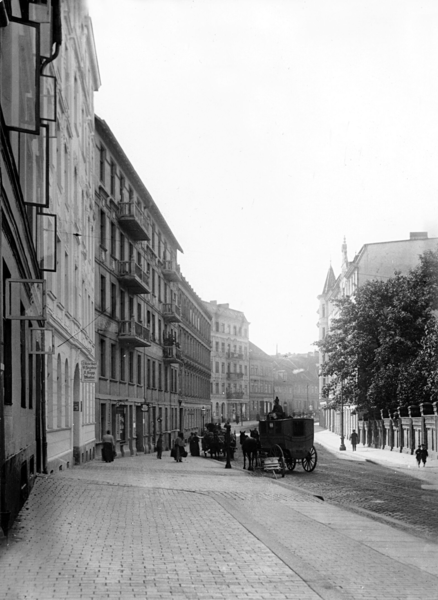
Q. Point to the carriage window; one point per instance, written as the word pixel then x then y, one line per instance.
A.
pixel 297 428
pixel 278 427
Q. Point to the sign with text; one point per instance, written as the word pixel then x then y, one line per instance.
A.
pixel 89 371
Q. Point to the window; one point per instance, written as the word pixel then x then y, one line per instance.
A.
pixel 122 187
pixel 154 382
pixel 113 362
pixel 112 179
pixel 217 326
pixel 122 365
pixel 102 159
pixel 160 376
pixel 122 247
pixel 122 305
pixel 131 367
pixel 139 381
pixel 217 346
pixel 102 229
pixel 102 358
pixel 148 375
pixel 102 293
pixel 113 239
pixel 113 300
pixel 216 367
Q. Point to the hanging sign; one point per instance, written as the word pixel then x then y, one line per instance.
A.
pixel 89 371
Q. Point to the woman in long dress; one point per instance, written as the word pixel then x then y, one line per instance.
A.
pixel 108 447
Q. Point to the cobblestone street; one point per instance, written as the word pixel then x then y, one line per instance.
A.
pixel 142 528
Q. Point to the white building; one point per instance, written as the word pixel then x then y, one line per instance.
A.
pixel 70 412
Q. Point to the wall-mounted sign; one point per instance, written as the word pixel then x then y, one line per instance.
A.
pixel 89 371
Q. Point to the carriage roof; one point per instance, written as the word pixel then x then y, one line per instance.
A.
pixel 293 434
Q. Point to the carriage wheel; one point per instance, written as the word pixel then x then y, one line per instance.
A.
pixel 309 462
pixel 278 453
pixel 290 462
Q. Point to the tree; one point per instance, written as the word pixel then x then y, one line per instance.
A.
pixel 383 348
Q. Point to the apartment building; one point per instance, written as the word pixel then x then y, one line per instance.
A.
pixel 377 261
pixel 193 351
pixel 69 400
pixel 296 382
pixel 229 363
pixel 261 383
pixel 138 306
pixel 48 72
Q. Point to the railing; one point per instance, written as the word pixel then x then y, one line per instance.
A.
pixel 129 268
pixel 234 375
pixel 133 330
pixel 237 355
pixel 172 353
pixel 234 395
pixel 171 310
pixel 132 211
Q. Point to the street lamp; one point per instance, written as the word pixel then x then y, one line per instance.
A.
pixel 203 417
pixel 181 414
pixel 227 443
pixel 342 446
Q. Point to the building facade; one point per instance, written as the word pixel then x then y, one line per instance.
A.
pixel 193 350
pixel 48 72
pixel 138 307
pixel 69 400
pixel 377 261
pixel 296 383
pixel 229 363
pixel 261 383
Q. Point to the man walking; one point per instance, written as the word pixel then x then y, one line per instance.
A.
pixel 353 439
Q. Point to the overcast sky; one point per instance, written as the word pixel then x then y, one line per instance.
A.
pixel 267 130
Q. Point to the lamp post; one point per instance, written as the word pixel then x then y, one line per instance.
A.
pixel 342 446
pixel 181 418
pixel 203 417
pixel 227 443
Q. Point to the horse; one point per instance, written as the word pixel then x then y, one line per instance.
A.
pixel 250 448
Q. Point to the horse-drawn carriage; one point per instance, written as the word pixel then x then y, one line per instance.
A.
pixel 214 442
pixel 283 442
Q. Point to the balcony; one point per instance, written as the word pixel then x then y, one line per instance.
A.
pixel 171 271
pixel 234 395
pixel 235 355
pixel 234 376
pixel 172 355
pixel 134 222
pixel 171 313
pixel 133 278
pixel 134 333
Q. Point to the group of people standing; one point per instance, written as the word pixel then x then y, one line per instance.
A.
pixel 178 451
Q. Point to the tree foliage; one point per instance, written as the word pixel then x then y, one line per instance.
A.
pixel 382 350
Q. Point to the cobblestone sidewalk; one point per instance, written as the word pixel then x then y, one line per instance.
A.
pixel 142 528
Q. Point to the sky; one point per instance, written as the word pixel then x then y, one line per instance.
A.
pixel 268 130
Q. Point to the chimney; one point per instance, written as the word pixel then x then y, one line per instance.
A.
pixel 418 235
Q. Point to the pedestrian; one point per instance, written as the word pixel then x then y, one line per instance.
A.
pixel 159 446
pixel 421 454
pixel 194 444
pixel 109 447
pixel 178 447
pixel 353 439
